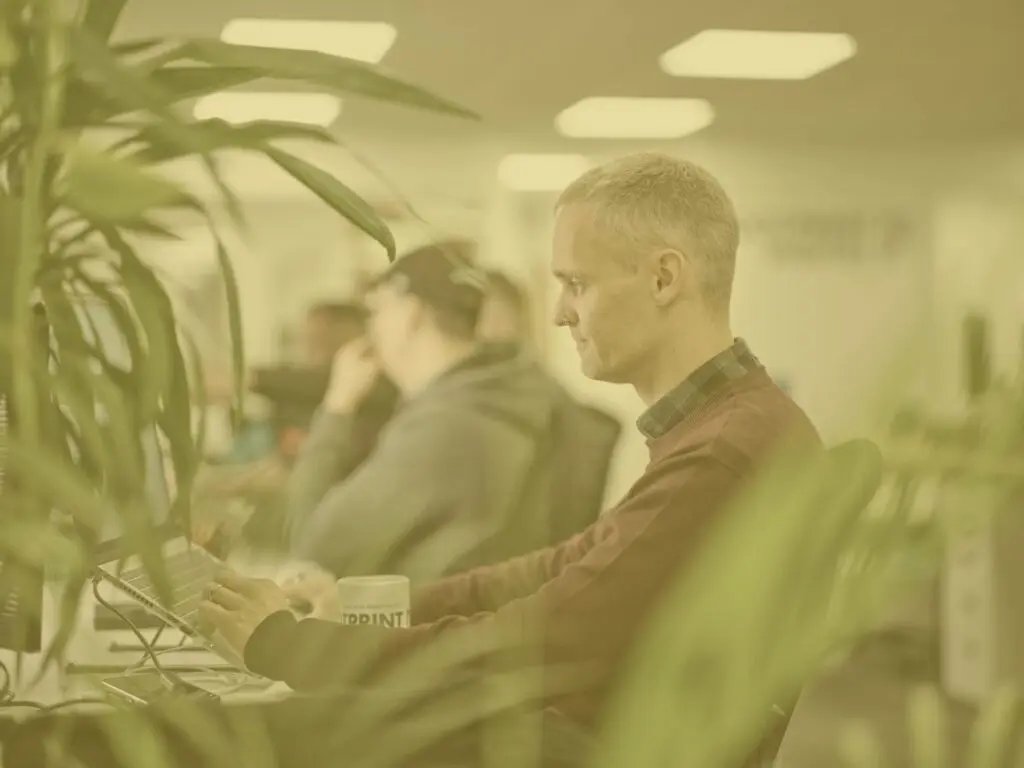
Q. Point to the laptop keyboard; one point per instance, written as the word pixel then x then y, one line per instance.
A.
pixel 188 572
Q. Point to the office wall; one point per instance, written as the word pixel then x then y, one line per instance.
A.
pixel 838 286
pixel 850 277
pixel 978 267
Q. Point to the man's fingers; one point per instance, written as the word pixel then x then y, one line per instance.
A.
pixel 240 584
pixel 300 589
pixel 213 616
pixel 224 596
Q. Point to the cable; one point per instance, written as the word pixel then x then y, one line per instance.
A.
pixel 7 689
pixel 47 708
pixel 8 698
pixel 146 644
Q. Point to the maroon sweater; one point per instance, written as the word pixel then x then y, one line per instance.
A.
pixel 584 602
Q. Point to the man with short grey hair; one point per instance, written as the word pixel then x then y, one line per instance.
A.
pixel 641 225
pixel 644 249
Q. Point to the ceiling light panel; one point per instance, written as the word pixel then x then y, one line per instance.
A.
pixel 613 117
pixel 366 41
pixel 243 106
pixel 540 173
pixel 757 54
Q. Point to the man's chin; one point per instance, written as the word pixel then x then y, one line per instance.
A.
pixel 592 369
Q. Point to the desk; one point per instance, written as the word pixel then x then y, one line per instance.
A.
pixel 92 655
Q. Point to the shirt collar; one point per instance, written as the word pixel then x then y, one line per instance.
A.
pixel 731 364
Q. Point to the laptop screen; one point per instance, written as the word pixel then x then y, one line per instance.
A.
pixel 159 474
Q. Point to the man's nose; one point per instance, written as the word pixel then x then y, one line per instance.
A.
pixel 564 314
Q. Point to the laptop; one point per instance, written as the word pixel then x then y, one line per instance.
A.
pixel 190 568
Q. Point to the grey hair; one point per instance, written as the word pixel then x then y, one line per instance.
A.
pixel 649 199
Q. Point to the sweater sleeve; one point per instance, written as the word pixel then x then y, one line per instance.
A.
pixel 488 588
pixel 587 615
pixel 329 454
pixel 411 507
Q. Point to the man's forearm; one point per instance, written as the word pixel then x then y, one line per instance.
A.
pixel 491 587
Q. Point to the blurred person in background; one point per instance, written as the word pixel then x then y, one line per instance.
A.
pixel 296 391
pixel 644 249
pixel 505 316
pixel 456 465
pixel 293 392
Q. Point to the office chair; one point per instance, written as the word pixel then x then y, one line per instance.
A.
pixel 765 570
pixel 851 477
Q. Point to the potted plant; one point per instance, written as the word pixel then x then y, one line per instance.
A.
pixel 73 221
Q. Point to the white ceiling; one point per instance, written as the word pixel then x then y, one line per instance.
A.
pixel 925 71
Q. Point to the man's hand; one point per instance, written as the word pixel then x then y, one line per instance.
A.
pixel 235 605
pixel 314 592
pixel 354 372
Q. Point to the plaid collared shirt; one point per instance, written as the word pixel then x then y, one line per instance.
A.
pixel 734 363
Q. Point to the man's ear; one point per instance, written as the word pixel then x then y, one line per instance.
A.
pixel 671 276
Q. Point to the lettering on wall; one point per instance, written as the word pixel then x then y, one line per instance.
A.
pixel 850 237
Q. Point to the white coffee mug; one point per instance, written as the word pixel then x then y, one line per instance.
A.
pixel 381 601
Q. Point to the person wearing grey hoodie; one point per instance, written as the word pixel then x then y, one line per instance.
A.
pixel 459 476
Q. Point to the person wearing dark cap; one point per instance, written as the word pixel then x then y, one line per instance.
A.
pixel 456 464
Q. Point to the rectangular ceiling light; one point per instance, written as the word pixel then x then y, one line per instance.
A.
pixel 243 106
pixel 366 41
pixel 757 55
pixel 540 173
pixel 612 117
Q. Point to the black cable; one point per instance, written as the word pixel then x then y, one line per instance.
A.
pixel 7 689
pixel 7 696
pixel 46 708
pixel 146 644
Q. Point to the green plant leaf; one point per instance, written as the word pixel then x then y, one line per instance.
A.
pixel 928 729
pixel 89 104
pixel 151 306
pixel 195 359
pixel 93 62
pixel 8 46
pixel 101 16
pixel 341 75
pixel 165 396
pixel 340 197
pixel 234 310
pixel 147 146
pixel 148 228
pixel 115 303
pixel 107 189
pixel 715 661
pixel 175 422
pixel 860 746
pixel 992 741
pixel 100 408
pixel 73 585
pixel 39 544
pixel 132 47
pixel 134 740
pixel 66 489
